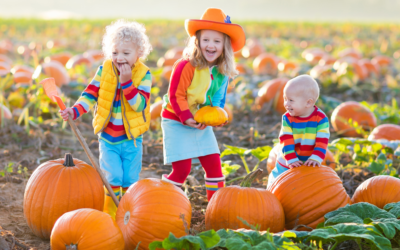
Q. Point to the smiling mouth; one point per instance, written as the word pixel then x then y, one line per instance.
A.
pixel 211 53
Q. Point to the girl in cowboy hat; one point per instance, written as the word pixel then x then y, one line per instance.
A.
pixel 204 71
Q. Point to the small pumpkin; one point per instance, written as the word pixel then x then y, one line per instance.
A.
pixel 272 91
pixel 378 190
pixel 354 110
pixel 86 228
pixel 62 58
pixel 155 112
pixel 79 60
pixel 307 194
pixel 5 66
pixel 174 52
pixel 350 52
pixel 211 115
pixel 150 210
pixel 373 69
pixel 6 59
pixel 313 55
pixel 266 63
pixel 166 72
pixel 96 54
pixel 388 132
pixel 56 70
pixel 286 66
pixel 22 77
pixel 59 186
pixel 163 62
pixel 254 205
pixel 358 68
pixel 253 48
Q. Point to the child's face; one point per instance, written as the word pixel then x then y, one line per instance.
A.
pixel 124 53
pixel 296 102
pixel 211 45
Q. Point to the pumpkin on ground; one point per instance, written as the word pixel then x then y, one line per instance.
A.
pixel 86 228
pixel 388 132
pixel 59 186
pixel 62 58
pixel 328 161
pixel 253 48
pixel 266 63
pixel 255 205
pixel 378 190
pixel 211 115
pixel 350 52
pixel 155 112
pixel 150 210
pixel 79 60
pixel 272 91
pixel 358 113
pixel 307 194
pixel 56 70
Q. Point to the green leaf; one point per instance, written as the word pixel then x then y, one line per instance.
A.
pixel 261 153
pixel 376 147
pixel 228 169
pixel 386 226
pixel 355 213
pixel 234 150
pixel 203 240
pixel 376 168
pixel 350 231
pixel 381 159
pixel 393 208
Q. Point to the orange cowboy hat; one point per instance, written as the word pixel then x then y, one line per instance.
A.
pixel 215 19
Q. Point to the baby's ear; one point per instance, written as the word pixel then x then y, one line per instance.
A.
pixel 310 102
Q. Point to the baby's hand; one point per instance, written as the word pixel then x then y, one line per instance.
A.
pixel 313 163
pixel 125 73
pixel 295 164
pixel 65 113
pixel 192 123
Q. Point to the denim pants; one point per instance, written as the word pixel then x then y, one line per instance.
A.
pixel 121 163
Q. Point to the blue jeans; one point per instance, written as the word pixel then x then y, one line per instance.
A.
pixel 121 163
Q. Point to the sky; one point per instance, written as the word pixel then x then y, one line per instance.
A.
pixel 301 10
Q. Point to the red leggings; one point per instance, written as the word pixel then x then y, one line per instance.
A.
pixel 211 164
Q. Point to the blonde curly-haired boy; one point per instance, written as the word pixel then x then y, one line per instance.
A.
pixel 121 91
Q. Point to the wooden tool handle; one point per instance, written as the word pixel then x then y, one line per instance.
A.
pixel 92 159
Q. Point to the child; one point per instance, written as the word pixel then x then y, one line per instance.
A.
pixel 305 128
pixel 204 71
pixel 121 90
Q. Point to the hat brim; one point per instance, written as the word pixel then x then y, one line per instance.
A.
pixel 234 31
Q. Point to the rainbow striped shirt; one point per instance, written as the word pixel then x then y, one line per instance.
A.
pixel 304 138
pixel 114 133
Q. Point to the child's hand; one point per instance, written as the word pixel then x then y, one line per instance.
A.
pixel 223 124
pixel 65 113
pixel 125 73
pixel 295 164
pixel 313 163
pixel 192 123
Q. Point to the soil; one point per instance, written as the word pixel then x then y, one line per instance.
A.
pixel 50 141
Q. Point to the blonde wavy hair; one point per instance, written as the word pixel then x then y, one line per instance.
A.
pixel 122 31
pixel 225 62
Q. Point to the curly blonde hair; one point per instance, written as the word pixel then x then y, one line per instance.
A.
pixel 122 31
pixel 225 62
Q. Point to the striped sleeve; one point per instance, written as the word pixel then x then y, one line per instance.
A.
pixel 220 96
pixel 89 96
pixel 322 138
pixel 286 139
pixel 180 81
pixel 138 97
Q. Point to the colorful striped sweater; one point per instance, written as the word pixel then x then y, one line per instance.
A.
pixel 114 133
pixel 189 90
pixel 304 138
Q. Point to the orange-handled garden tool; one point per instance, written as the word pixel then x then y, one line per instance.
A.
pixel 50 89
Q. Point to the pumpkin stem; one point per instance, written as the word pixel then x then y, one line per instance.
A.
pixel 69 161
pixel 250 178
pixel 210 100
pixel 71 247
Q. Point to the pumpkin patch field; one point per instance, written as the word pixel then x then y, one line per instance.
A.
pixel 52 198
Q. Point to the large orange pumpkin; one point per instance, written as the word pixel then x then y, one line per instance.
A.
pixel 307 194
pixel 373 69
pixel 56 70
pixel 266 63
pixel 86 228
pixel 255 205
pixel 389 132
pixel 354 110
pixel 79 60
pixel 174 52
pixel 96 54
pixel 378 190
pixel 358 68
pixel 150 210
pixel 273 157
pixel 163 62
pixel 155 112
pixel 272 91
pixel 59 186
